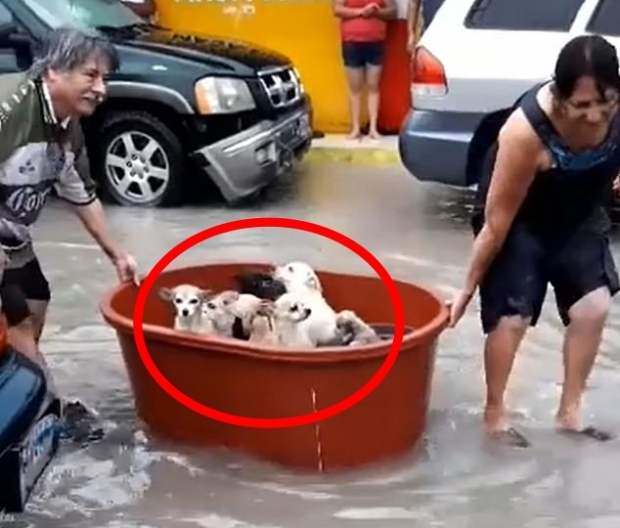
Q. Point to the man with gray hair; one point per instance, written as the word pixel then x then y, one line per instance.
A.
pixel 41 148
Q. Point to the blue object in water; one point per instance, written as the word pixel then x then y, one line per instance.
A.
pixel 29 429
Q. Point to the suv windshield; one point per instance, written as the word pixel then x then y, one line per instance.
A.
pixel 84 14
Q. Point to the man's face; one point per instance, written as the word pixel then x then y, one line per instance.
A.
pixel 78 92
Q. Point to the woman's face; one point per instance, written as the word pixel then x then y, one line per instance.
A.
pixel 586 106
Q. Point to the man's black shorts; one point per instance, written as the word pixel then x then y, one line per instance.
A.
pixel 516 283
pixel 20 284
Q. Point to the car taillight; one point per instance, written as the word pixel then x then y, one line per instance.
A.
pixel 428 75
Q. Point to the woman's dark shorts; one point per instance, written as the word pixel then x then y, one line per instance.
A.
pixel 362 54
pixel 516 283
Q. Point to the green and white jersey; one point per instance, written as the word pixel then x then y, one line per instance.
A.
pixel 36 154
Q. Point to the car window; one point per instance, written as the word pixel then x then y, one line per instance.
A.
pixel 84 14
pixel 11 60
pixel 523 15
pixel 606 19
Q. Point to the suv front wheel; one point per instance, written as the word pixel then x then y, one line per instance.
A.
pixel 140 161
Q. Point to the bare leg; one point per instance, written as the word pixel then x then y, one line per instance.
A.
pixel 39 313
pixel 21 338
pixel 36 323
pixel 581 343
pixel 373 78
pixel 355 78
pixel 499 354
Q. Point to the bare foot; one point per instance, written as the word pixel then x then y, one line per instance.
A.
pixel 568 424
pixel 373 134
pixel 355 134
pixel 568 419
pixel 496 428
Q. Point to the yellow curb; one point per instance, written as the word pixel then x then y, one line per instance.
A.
pixel 359 156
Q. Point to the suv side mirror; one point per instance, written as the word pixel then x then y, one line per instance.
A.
pixel 12 37
pixel 6 30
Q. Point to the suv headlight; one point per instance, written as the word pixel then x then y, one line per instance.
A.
pixel 302 90
pixel 221 95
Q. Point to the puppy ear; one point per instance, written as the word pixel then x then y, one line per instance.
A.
pixel 229 297
pixel 313 283
pixel 205 294
pixel 166 294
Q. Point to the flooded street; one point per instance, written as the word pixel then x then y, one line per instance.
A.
pixel 420 234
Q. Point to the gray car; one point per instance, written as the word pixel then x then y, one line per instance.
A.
pixel 471 65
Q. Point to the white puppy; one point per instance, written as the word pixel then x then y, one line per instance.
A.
pixel 290 313
pixel 188 301
pixel 297 277
pixel 300 279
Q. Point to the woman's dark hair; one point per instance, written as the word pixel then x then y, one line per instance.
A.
pixel 586 55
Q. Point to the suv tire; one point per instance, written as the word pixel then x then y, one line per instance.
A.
pixel 139 161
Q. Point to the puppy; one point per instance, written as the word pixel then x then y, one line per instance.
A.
pixel 188 301
pixel 262 326
pixel 298 276
pixel 300 279
pixel 218 311
pixel 354 330
pixel 262 285
pixel 290 313
pixel 234 311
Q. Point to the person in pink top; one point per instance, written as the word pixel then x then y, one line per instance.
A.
pixel 363 27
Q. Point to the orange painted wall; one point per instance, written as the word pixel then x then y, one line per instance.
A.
pixel 307 32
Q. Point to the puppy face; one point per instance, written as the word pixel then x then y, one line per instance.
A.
pixel 186 299
pixel 296 275
pixel 290 307
pixel 220 304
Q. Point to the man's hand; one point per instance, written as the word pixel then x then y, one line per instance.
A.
pixel 616 185
pixel 126 268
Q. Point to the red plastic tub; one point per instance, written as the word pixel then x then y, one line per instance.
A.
pixel 231 376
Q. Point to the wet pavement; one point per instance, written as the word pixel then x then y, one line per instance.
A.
pixel 420 234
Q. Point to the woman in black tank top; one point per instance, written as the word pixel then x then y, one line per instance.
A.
pixel 541 218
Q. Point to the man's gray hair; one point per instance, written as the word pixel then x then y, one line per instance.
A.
pixel 65 49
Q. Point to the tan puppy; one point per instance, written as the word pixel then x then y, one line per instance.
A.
pixel 349 323
pixel 188 301
pixel 262 328
pixel 229 305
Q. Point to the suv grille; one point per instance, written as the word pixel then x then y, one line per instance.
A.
pixel 282 86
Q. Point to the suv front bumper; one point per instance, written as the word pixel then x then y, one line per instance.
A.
pixel 244 163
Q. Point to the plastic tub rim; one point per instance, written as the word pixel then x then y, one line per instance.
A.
pixel 328 354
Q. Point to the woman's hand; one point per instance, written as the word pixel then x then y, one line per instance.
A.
pixel 458 306
pixel 369 10
pixel 411 42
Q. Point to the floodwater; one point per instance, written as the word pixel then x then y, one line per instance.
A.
pixel 460 481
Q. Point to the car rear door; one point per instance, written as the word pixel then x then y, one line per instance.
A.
pixel 480 55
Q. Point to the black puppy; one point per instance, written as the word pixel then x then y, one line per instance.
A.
pixel 263 285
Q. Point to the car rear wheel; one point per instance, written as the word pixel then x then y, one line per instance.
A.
pixel 140 161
